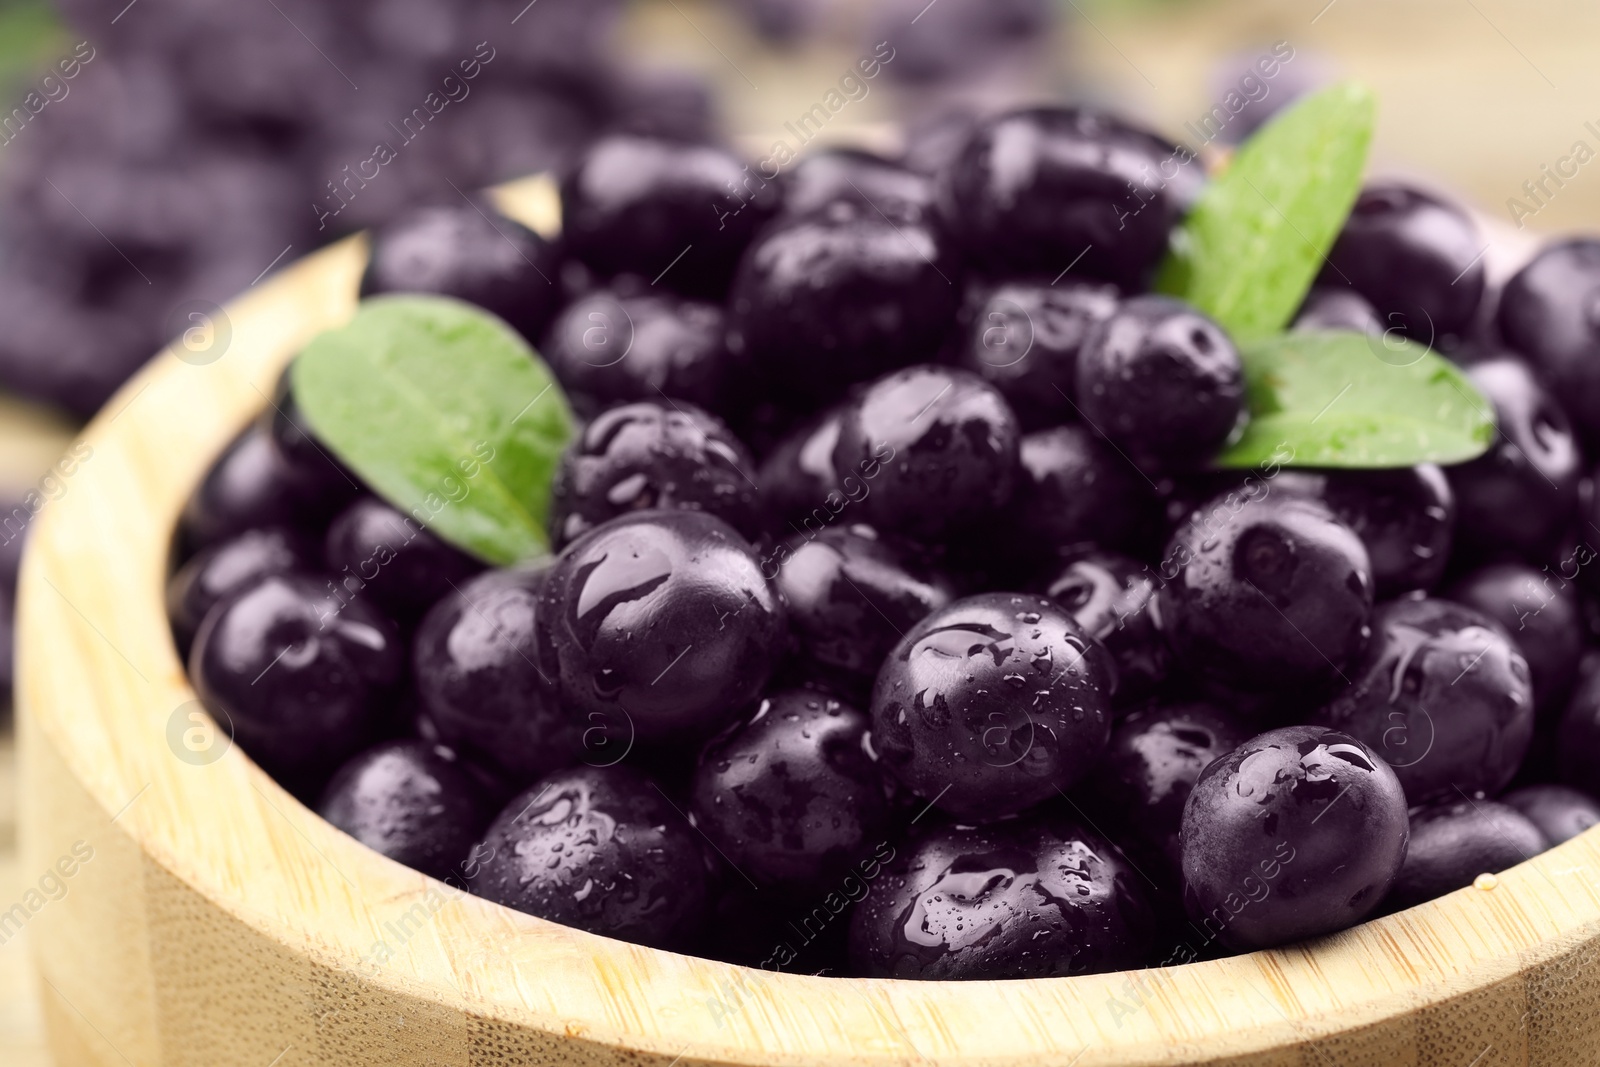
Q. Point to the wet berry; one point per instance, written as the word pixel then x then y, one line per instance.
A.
pixel 792 796
pixel 302 678
pixel 602 850
pixel 1548 314
pixel 1024 339
pixel 1267 592
pixel 1542 614
pixel 1111 597
pixel 1037 897
pixel 488 687
pixel 653 454
pixel 1298 832
pixel 410 801
pixel 1046 190
pixel 226 567
pixel 1442 695
pixel 851 595
pixel 378 553
pixel 663 618
pixel 940 447
pixel 840 296
pixel 1162 381
pixel 992 704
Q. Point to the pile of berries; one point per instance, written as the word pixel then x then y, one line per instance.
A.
pixel 898 625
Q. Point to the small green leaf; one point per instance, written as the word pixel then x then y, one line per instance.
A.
pixel 1250 249
pixel 447 413
pixel 1339 399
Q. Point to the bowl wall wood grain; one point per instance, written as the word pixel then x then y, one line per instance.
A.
pixel 209 919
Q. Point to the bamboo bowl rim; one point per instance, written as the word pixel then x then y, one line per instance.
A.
pixel 100 680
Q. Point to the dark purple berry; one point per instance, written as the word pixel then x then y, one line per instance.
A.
pixel 1542 614
pixel 850 596
pixel 302 678
pixel 252 484
pixel 653 454
pixel 226 567
pixel 840 296
pixel 410 801
pixel 947 444
pixel 1162 381
pixel 1111 597
pixel 1046 190
pixel 1270 592
pixel 1560 813
pixel 1036 897
pixel 674 213
pixel 1024 338
pixel 1076 490
pixel 792 796
pixel 488 686
pixel 1548 312
pixel 1518 499
pixel 378 553
pixel 612 348
pixel 1416 258
pixel 1296 833
pixel 1453 843
pixel 663 618
pixel 599 849
pixel 1442 695
pixel 992 704
pixel 473 253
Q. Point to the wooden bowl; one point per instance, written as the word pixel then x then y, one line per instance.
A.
pixel 189 911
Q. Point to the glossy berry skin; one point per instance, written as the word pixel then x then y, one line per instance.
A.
pixel 599 849
pixel 840 296
pixel 947 443
pixel 1035 189
pixel 1453 843
pixel 1542 614
pixel 303 677
pixel 1559 812
pixel 1075 490
pixel 251 485
pixel 830 175
pixel 1416 258
pixel 792 796
pixel 1338 309
pixel 663 617
pixel 850 595
pixel 797 479
pixel 610 348
pixel 1406 518
pixel 1519 497
pixel 392 561
pixel 1036 897
pixel 1270 857
pixel 1266 593
pixel 992 704
pixel 653 454
pixel 1161 380
pixel 633 204
pixel 1442 695
pixel 472 253
pixel 297 443
pixel 1111 595
pixel 410 801
pixel 1547 314
pixel 1023 337
pixel 483 678
pixel 226 567
pixel 1150 766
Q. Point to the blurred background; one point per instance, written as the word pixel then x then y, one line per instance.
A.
pixel 162 155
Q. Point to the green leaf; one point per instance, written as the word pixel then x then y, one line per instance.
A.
pixel 1249 251
pixel 447 413
pixel 1340 399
